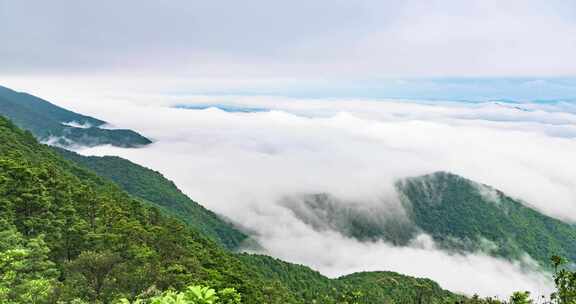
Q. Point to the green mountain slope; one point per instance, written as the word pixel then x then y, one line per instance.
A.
pixel 391 287
pixel 105 244
pixel 459 214
pixel 66 233
pixel 49 122
pixel 154 187
pixel 371 287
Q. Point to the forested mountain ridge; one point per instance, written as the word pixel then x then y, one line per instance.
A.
pixel 152 186
pixel 49 122
pixel 459 214
pixel 366 287
pixel 68 234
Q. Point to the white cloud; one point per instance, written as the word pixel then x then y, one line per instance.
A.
pixel 240 164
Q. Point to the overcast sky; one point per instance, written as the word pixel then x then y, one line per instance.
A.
pixel 275 46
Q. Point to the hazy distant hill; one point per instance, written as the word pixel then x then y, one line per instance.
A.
pixel 50 122
pixel 458 213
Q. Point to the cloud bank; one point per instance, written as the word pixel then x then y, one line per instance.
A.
pixel 241 165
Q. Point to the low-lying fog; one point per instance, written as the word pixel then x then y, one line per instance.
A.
pixel 241 163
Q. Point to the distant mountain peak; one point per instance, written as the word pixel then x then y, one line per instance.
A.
pixel 58 126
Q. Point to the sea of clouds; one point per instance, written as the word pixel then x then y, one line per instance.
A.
pixel 241 164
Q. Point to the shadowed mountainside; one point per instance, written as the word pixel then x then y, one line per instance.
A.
pixel 49 122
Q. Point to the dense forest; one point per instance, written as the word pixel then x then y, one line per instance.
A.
pixel 365 287
pixel 49 122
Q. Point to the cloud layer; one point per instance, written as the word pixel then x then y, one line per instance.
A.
pixel 242 164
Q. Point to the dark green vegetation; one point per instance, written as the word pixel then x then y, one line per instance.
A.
pixel 364 287
pixel 153 187
pixel 459 214
pixel 462 214
pixel 382 285
pixel 67 233
pixel 47 122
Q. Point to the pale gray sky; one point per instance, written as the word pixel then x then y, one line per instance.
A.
pixel 297 39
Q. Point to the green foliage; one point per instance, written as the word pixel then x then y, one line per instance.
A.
pixel 521 298
pixel 565 281
pixel 229 296
pixel 93 272
pixel 394 288
pixel 200 295
pixel 364 287
pixel 192 295
pixel 26 274
pixel 45 120
pixel 302 281
pixel 153 187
